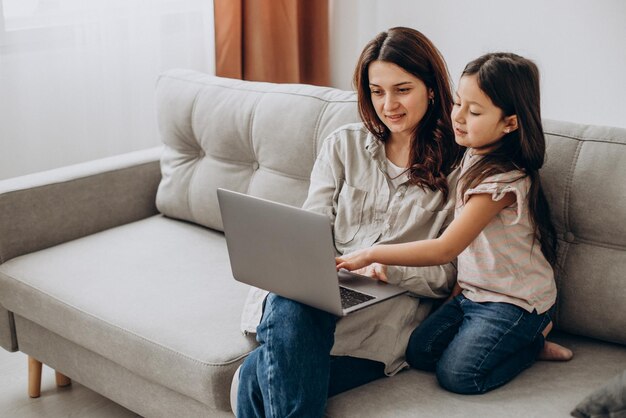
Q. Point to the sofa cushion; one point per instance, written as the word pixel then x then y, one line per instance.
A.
pixel 257 138
pixel 547 389
pixel 584 182
pixel 155 296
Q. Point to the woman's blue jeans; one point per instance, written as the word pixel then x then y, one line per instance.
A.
pixel 476 347
pixel 291 373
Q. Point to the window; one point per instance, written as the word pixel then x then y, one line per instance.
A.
pixel 77 76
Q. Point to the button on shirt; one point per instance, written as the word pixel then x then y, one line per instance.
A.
pixel 350 184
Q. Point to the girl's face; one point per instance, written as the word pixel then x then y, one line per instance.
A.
pixel 399 98
pixel 478 123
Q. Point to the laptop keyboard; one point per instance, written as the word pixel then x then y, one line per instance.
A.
pixel 351 297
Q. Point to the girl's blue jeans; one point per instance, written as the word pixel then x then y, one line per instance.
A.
pixel 291 373
pixel 476 347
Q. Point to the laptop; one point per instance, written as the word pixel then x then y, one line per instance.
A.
pixel 291 252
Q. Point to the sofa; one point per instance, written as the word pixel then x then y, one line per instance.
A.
pixel 115 272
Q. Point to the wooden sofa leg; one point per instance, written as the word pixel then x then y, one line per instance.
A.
pixel 62 380
pixel 34 377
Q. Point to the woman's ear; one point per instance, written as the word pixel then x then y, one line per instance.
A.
pixel 510 123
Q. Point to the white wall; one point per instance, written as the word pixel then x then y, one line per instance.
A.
pixel 77 77
pixel 579 45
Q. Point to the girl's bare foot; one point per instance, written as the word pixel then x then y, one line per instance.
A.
pixel 553 351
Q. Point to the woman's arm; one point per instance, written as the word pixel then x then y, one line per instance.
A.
pixel 430 282
pixel 323 189
pixel 476 215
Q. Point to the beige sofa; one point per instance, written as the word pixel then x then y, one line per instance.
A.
pixel 115 272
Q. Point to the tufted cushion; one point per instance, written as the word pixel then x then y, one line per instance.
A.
pixel 584 178
pixel 257 138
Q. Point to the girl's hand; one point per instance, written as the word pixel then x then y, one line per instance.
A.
pixel 375 271
pixel 355 260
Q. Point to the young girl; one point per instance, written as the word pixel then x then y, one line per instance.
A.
pixel 502 235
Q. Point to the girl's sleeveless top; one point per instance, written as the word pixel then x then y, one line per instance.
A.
pixel 505 263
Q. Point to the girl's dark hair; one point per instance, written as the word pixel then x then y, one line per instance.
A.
pixel 512 84
pixel 434 152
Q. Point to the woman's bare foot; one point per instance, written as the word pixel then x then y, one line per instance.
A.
pixel 553 351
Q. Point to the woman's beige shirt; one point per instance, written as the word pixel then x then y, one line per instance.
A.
pixel 349 184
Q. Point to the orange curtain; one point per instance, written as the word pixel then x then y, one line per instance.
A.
pixel 281 41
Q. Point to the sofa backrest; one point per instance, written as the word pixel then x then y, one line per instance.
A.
pixel 262 139
pixel 256 138
pixel 585 181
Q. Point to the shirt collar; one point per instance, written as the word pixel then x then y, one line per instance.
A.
pixel 374 145
pixel 376 148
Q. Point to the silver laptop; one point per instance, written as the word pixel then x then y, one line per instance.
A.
pixel 291 252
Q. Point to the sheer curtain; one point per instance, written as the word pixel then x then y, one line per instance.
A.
pixel 77 77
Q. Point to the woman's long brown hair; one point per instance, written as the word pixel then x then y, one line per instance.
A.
pixel 512 84
pixel 434 152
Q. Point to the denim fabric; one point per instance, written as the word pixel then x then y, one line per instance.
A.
pixel 350 372
pixel 288 374
pixel 476 347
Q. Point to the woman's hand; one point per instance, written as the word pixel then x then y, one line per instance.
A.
pixel 355 260
pixel 375 271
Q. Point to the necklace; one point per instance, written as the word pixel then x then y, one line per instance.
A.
pixel 394 171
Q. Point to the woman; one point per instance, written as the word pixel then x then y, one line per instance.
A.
pixel 386 180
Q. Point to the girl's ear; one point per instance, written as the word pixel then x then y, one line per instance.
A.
pixel 510 123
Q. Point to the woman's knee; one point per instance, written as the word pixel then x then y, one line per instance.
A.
pixel 293 321
pixel 287 312
pixel 283 307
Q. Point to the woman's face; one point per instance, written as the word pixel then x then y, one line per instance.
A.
pixel 399 98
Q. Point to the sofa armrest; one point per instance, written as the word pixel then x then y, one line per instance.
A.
pixel 45 209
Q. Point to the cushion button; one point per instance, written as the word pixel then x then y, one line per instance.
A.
pixel 255 165
pixel 569 237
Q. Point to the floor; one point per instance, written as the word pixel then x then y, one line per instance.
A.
pixel 72 401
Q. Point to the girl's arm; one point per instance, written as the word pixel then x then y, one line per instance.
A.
pixel 479 210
